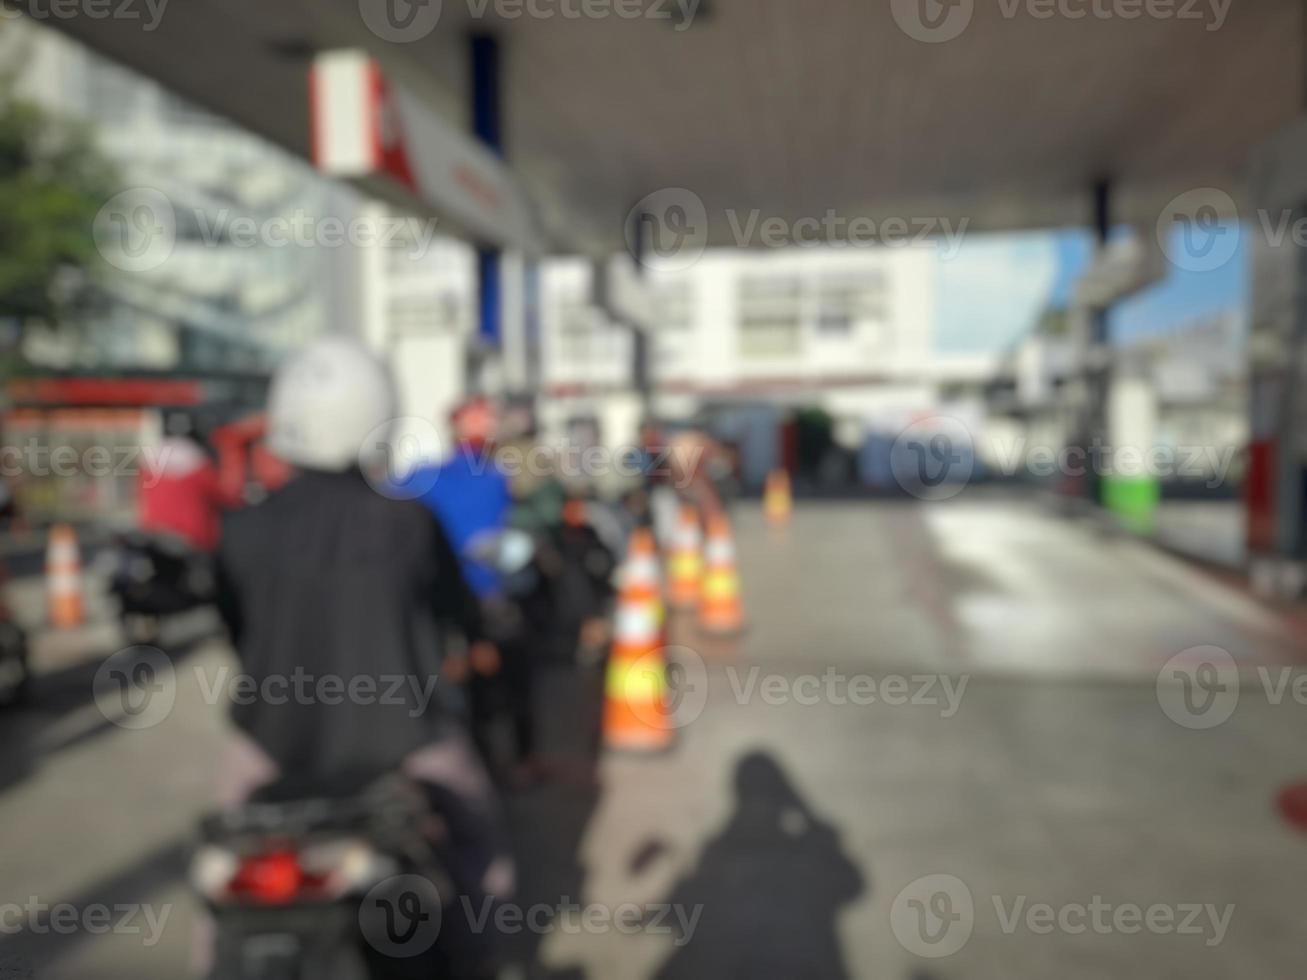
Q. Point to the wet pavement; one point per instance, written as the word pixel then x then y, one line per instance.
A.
pixel 942 730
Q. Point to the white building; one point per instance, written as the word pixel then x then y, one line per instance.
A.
pixel 849 331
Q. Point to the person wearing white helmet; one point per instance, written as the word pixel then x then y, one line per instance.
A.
pixel 330 581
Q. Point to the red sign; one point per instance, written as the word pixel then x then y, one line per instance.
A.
pixel 103 391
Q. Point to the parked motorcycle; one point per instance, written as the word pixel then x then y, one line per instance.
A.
pixel 15 674
pixel 333 885
pixel 157 576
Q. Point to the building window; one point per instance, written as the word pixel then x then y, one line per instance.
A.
pixel 771 316
pixel 673 306
pixel 844 301
pixel 576 331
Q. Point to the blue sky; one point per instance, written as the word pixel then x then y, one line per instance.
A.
pixel 1183 295
pixel 993 290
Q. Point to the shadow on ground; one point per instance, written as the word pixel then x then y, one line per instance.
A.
pixel 35 731
pixel 769 887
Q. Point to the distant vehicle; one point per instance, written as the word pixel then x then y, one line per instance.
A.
pixel 324 885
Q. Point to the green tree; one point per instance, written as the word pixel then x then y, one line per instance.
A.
pixel 53 181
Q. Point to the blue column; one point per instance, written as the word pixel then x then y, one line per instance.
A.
pixel 489 306
pixel 486 126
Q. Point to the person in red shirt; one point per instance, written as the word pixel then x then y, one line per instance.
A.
pixel 180 494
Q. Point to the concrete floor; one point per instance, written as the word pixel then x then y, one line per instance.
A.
pixel 1057 779
pixel 798 822
pixel 1212 531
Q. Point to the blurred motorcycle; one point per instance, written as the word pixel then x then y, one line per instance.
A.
pixel 154 577
pixel 343 883
pixel 15 674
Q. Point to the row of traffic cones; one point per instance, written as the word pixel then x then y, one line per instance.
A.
pixel 704 576
pixel 701 575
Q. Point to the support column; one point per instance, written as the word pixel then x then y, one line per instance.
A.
pixel 1288 451
pixel 485 88
pixel 531 323
pixel 519 346
pixel 641 357
pixel 1130 491
pixel 1275 481
pixel 1090 433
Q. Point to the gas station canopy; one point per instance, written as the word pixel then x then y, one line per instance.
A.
pixel 776 108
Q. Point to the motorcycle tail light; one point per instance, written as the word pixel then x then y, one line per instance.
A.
pixel 320 871
pixel 273 878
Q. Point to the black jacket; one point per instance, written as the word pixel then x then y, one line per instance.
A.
pixel 334 596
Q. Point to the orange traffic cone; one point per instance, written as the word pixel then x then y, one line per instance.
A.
pixel 685 563
pixel 635 703
pixel 777 501
pixel 63 579
pixel 720 608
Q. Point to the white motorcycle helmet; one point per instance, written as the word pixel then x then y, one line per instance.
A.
pixel 330 406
